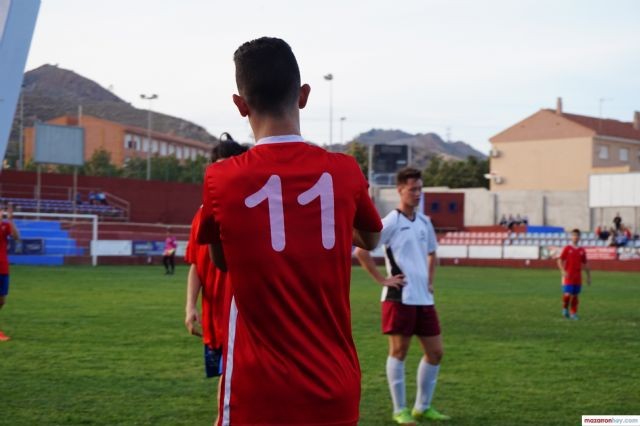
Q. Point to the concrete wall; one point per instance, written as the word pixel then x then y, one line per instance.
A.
pixel 569 209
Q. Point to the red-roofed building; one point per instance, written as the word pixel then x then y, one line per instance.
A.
pixel 555 151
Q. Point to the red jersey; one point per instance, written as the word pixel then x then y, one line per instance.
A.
pixel 213 298
pixel 573 258
pixel 5 232
pixel 285 213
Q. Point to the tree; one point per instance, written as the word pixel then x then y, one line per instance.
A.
pixel 361 154
pixel 456 174
pixel 100 164
pixel 135 168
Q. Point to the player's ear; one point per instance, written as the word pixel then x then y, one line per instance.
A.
pixel 305 89
pixel 241 104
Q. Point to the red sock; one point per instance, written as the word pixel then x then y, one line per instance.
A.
pixel 574 305
pixel 565 300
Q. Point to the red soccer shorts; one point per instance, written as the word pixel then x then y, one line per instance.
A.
pixel 409 320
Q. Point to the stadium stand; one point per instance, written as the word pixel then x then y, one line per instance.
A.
pixel 63 206
pixel 57 243
pixel 539 239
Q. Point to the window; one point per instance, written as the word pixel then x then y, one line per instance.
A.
pixel 186 152
pixel 154 146
pixel 624 154
pixel 179 153
pixel 163 148
pixel 603 152
pixel 172 149
pixel 145 145
pixel 193 154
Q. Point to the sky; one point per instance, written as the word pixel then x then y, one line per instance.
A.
pixel 464 68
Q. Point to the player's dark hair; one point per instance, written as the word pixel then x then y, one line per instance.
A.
pixel 225 149
pixel 407 173
pixel 267 75
pixel 575 231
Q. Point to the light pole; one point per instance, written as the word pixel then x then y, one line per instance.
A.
pixel 21 133
pixel 149 98
pixel 341 126
pixel 329 78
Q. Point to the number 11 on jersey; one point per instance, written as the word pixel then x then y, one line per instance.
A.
pixel 272 192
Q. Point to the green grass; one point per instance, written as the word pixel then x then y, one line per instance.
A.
pixel 107 346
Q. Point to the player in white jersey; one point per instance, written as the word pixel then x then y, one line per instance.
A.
pixel 407 298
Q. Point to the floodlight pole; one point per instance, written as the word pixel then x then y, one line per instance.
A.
pixel 329 78
pixel 149 144
pixel 21 133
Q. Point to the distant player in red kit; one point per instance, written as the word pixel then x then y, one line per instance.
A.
pixel 571 262
pixel 7 229
pixel 281 219
pixel 206 279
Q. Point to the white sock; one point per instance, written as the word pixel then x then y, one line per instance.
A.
pixel 427 379
pixel 395 377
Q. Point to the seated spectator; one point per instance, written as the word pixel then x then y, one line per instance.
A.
pixel 518 219
pixel 503 221
pixel 92 197
pixel 602 233
pixel 525 220
pixel 617 222
pixel 78 199
pixel 101 198
pixel 511 222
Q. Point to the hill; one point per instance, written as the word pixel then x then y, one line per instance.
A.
pixel 50 91
pixel 423 146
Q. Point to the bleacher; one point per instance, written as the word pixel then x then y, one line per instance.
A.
pixel 63 206
pixel 57 243
pixel 539 239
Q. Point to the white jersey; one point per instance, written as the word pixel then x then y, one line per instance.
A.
pixel 407 243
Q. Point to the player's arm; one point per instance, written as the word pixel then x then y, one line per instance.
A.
pixel 431 262
pixel 365 240
pixel 561 267
pixel 367 262
pixel 192 317
pixel 15 234
pixel 587 271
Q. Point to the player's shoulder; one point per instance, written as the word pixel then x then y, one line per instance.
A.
pixel 423 218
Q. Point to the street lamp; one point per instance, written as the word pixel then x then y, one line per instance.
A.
pixel 149 144
pixel 329 78
pixel 341 125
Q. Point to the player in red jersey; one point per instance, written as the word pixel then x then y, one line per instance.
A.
pixel 571 262
pixel 7 229
pixel 206 279
pixel 281 219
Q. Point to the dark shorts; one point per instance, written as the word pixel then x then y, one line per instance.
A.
pixel 572 289
pixel 4 284
pixel 409 320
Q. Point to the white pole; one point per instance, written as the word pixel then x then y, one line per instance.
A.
pixel 21 134
pixel 94 237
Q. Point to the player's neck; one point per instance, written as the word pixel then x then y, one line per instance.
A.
pixel 264 126
pixel 407 211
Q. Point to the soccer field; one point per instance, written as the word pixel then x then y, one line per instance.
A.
pixel 107 346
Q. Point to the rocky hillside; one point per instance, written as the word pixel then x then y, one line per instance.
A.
pixel 50 91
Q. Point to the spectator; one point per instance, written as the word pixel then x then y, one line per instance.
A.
pixel 511 222
pixel 525 220
pixel 617 221
pixel 78 199
pixel 503 220
pixel 518 219
pixel 92 197
pixel 169 254
pixel 101 198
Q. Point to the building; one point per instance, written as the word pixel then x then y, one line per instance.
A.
pixel 556 151
pixel 123 141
